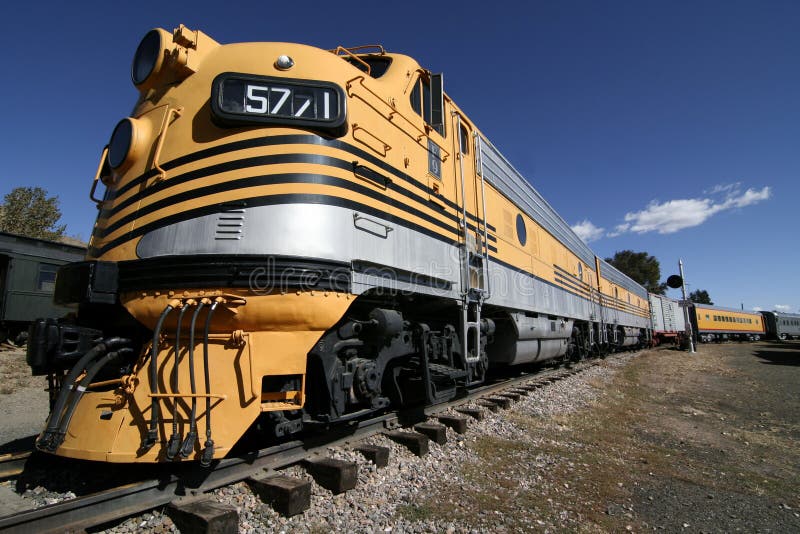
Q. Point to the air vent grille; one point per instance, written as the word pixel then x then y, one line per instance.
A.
pixel 230 224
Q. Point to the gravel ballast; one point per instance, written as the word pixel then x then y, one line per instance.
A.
pixel 382 500
pixel 657 440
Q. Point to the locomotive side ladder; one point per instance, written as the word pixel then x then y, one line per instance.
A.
pixel 473 252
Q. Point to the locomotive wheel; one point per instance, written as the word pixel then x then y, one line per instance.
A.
pixel 580 344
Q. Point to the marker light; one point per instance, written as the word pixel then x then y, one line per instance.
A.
pixel 284 62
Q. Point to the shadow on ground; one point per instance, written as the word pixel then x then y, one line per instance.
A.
pixel 17 445
pixel 780 354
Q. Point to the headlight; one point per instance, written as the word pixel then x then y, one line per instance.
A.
pixel 126 142
pixel 120 144
pixel 149 56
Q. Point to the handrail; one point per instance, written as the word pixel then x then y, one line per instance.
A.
pixel 350 49
pixel 485 248
pixel 102 164
pixel 386 147
pixel 161 137
pixel 467 285
pixel 352 55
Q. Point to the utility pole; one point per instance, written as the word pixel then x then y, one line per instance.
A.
pixel 686 308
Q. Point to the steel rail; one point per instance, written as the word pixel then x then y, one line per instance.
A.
pixel 12 464
pixel 189 480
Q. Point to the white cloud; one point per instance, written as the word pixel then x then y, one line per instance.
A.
pixel 758 308
pixel 674 215
pixel 619 230
pixel 588 231
pixel 747 198
pixel 670 216
pixel 722 188
pixel 782 307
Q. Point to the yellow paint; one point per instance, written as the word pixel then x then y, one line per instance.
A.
pixel 278 332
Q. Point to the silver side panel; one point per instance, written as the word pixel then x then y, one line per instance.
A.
pixel 515 290
pixel 316 231
pixel 505 178
pixel 340 234
pixel 787 323
pixel 628 319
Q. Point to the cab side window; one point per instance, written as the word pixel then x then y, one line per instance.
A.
pixel 463 138
pixel 422 103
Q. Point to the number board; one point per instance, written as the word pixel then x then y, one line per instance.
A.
pixel 245 99
pixel 434 159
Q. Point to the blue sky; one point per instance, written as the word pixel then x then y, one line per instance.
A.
pixel 666 127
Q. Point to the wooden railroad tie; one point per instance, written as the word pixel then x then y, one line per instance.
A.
pixel 287 495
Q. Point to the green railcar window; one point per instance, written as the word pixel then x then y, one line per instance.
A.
pixel 46 280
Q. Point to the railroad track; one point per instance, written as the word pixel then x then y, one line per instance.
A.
pixel 12 464
pixel 187 481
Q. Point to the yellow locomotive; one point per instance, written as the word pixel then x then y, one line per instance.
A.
pixel 297 237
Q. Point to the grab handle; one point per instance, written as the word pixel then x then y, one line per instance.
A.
pixel 161 137
pixel 102 164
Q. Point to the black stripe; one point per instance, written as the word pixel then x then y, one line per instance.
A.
pixel 289 140
pixel 571 276
pixel 570 283
pixel 271 179
pixel 624 305
pixel 621 305
pixel 311 159
pixel 271 200
pixel 614 303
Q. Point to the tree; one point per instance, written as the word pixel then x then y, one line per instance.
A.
pixel 28 211
pixel 700 297
pixel 641 267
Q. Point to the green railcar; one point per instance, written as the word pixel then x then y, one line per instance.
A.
pixel 27 279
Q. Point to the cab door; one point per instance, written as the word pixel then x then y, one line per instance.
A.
pixel 427 101
pixel 471 203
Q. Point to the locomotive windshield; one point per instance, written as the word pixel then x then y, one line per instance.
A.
pixel 378 65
